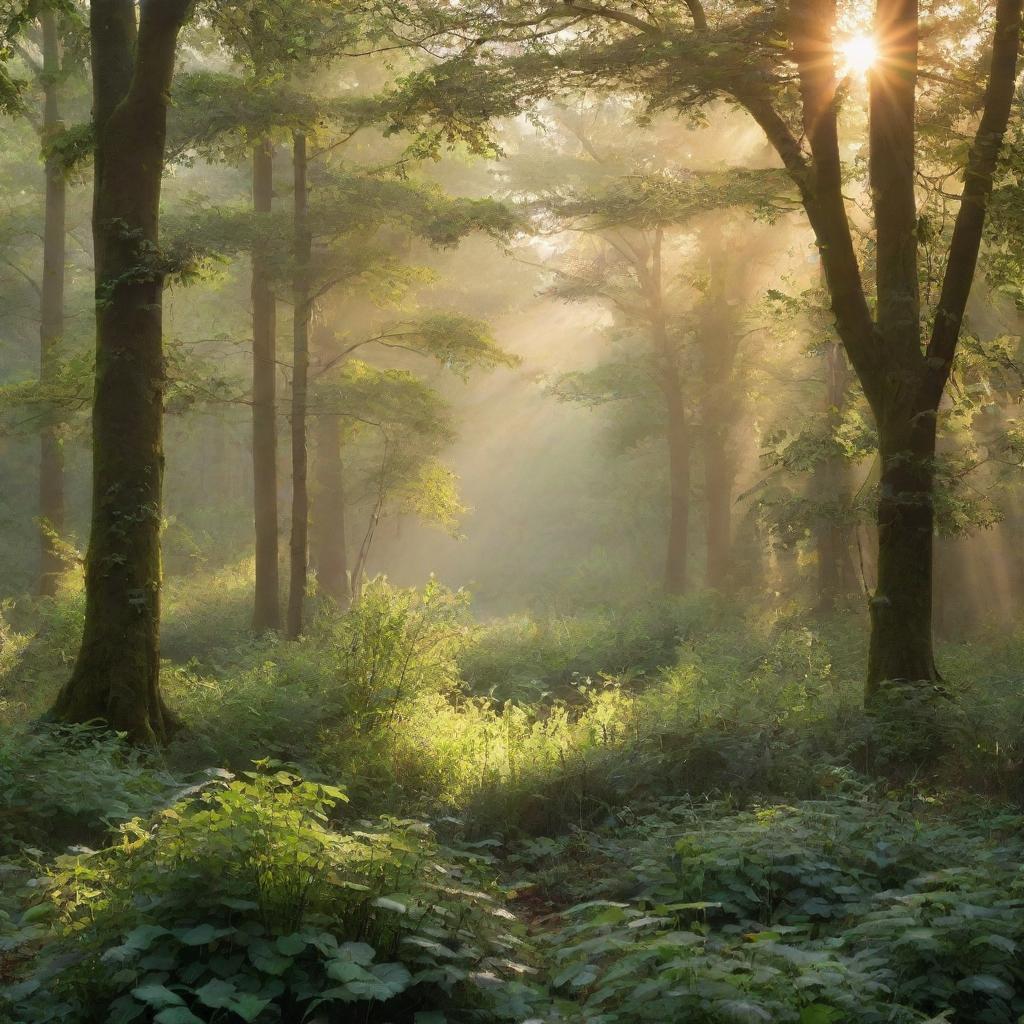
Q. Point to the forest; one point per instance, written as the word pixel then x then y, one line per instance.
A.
pixel 511 512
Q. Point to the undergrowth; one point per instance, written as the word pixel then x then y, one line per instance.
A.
pixel 685 803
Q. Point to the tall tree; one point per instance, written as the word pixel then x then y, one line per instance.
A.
pixel 266 591
pixel 302 314
pixel 779 63
pixel 51 318
pixel 636 214
pixel 116 675
pixel 269 42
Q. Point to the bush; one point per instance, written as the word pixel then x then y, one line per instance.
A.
pixel 38 643
pixel 69 784
pixel 241 902
pixel 335 701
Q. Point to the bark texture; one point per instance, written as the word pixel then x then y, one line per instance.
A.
pixel 116 675
pixel 830 486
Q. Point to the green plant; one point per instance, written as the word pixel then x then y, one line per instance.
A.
pixel 68 784
pixel 241 902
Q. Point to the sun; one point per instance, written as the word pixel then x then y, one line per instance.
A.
pixel 857 54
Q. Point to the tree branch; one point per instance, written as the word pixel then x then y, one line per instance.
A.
pixel 970 221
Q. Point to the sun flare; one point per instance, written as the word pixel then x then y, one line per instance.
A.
pixel 857 54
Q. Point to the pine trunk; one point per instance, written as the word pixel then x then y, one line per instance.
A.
pixel 267 601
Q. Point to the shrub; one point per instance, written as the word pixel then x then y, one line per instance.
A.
pixel 240 902
pixel 69 784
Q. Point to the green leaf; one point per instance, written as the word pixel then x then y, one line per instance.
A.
pixel 202 934
pixel 385 981
pixel 265 959
pixel 15 993
pixel 141 938
pixel 233 903
pixel 216 994
pixel 987 983
pixel 387 904
pixel 291 945
pixel 248 1006
pixel 177 1015
pixel 997 942
pixel 744 1012
pixel 157 995
pixel 37 913
pixel 357 952
pixel 819 1013
pixel 346 971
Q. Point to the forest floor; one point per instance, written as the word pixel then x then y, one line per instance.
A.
pixel 677 811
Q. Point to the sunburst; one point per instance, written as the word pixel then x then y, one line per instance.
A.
pixel 857 54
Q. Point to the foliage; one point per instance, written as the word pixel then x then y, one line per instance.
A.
pixel 240 901
pixel 70 783
pixel 850 909
pixel 708 823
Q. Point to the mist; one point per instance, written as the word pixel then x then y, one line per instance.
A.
pixel 511 512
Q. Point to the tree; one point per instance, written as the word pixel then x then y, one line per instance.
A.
pixel 352 232
pixel 406 423
pixel 268 42
pixel 43 51
pixel 779 64
pixel 632 214
pixel 302 313
pixel 51 301
pixel 116 675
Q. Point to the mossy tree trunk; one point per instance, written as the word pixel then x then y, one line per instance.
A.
pixel 116 675
pixel 901 606
pixel 51 320
pixel 267 598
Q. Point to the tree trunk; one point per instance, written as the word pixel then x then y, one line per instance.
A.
pixel 298 548
pixel 829 487
pixel 718 483
pixel 901 607
pixel 678 436
pixel 329 546
pixel 266 605
pixel 677 427
pixel 329 552
pixel 51 330
pixel 116 676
